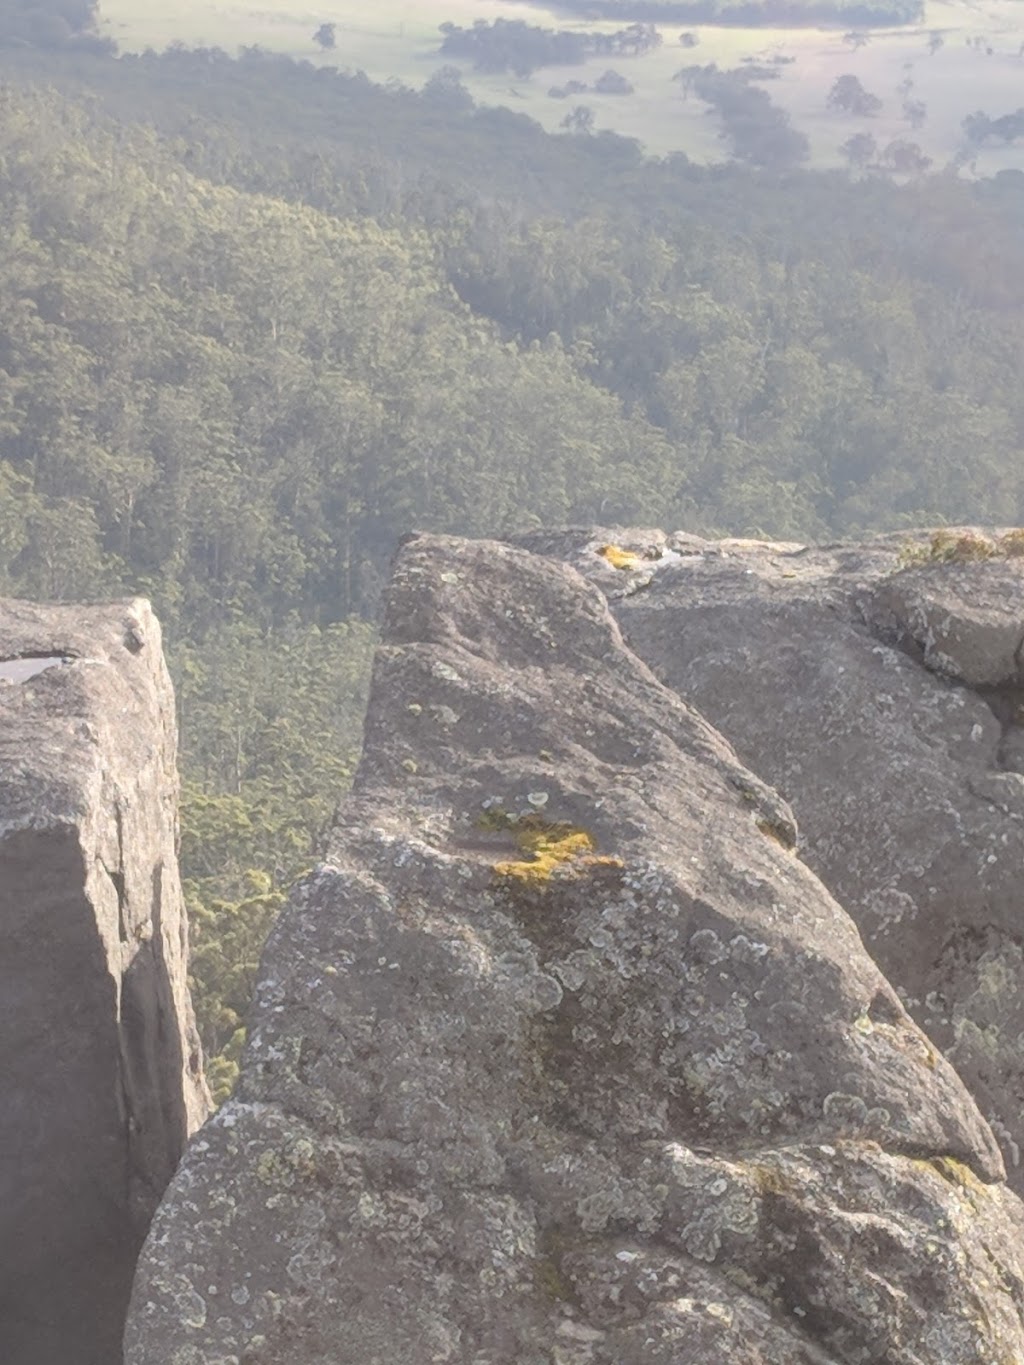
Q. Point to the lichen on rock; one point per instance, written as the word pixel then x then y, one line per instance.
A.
pixel 102 1074
pixel 879 685
pixel 586 1082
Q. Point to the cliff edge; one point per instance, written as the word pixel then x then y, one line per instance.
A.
pixel 564 1057
pixel 101 1074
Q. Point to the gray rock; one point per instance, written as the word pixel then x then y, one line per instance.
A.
pixel 885 704
pixel 101 1077
pixel 565 1058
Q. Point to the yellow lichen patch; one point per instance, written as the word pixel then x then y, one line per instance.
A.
pixel 958 1174
pixel 550 847
pixel 1011 545
pixel 960 547
pixel 619 558
pixel 770 1180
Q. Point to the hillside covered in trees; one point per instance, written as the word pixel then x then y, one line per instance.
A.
pixel 749 13
pixel 51 24
pixel 257 321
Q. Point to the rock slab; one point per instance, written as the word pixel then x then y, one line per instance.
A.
pixel 565 1058
pixel 100 1074
pixel 882 692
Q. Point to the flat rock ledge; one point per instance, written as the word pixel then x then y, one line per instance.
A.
pixel 101 1075
pixel 565 1058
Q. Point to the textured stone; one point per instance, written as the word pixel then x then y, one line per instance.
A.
pixel 564 1058
pixel 885 703
pixel 100 1077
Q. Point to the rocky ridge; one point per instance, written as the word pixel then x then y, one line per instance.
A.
pixel 880 688
pixel 102 1077
pixel 564 1057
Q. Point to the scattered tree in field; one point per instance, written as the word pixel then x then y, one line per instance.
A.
pixel 688 39
pixel 1009 127
pixel 905 158
pixel 326 36
pixel 445 87
pixel 522 48
pixel 935 42
pixel 978 127
pixel 860 150
pixel 562 92
pixel 849 96
pixel 856 39
pixel 915 112
pixel 579 120
pixel 611 83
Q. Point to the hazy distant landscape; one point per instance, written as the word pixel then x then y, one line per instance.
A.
pixel 262 315
pixel 959 59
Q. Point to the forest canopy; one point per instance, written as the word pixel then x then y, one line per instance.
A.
pixel 258 320
pixel 749 13
pixel 50 23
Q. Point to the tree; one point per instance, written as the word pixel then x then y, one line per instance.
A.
pixel 935 42
pixel 856 39
pixel 915 112
pixel 579 119
pixel 688 39
pixel 445 87
pixel 848 95
pixel 860 150
pixel 977 127
pixel 905 158
pixel 326 36
pixel 612 83
pixel 1009 127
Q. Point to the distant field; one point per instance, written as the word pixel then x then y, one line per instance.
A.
pixel 398 39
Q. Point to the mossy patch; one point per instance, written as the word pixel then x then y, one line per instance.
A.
pixel 550 1280
pixel 963 547
pixel 549 847
pixel 778 831
pixel 958 1174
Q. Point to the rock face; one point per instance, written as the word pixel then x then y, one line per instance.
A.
pixel 565 1058
pixel 101 1073
pixel 886 704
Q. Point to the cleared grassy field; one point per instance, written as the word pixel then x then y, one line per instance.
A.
pixel 399 39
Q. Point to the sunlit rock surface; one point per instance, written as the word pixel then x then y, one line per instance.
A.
pixel 881 690
pixel 101 1075
pixel 565 1058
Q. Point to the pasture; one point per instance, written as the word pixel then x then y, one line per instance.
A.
pixel 980 65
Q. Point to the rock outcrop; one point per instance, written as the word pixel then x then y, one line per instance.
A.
pixel 882 692
pixel 564 1058
pixel 101 1074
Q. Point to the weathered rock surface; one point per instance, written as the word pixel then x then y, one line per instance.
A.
pixel 100 1076
pixel 565 1058
pixel 886 705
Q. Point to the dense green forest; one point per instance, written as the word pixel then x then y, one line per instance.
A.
pixel 257 320
pixel 51 23
pixel 747 13
pixel 513 45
